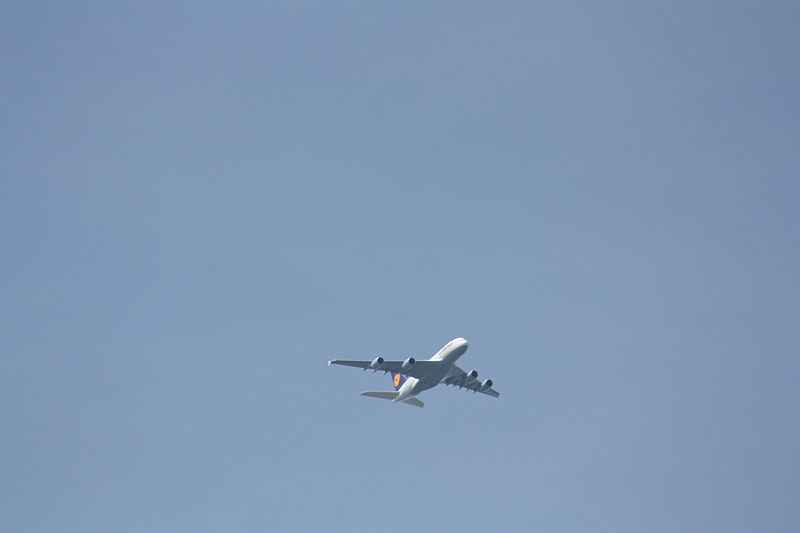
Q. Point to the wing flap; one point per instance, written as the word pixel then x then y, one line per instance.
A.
pixel 458 378
pixel 419 370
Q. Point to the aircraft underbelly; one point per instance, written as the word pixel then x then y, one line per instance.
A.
pixel 432 379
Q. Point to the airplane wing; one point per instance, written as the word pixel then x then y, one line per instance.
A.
pixel 419 370
pixel 458 378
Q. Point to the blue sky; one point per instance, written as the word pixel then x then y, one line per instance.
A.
pixel 202 204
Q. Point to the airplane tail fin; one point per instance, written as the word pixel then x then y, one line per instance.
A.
pixel 390 395
pixel 398 380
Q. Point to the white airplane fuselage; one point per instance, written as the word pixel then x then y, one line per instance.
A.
pixel 449 354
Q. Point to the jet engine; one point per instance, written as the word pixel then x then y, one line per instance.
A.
pixel 376 363
pixel 472 375
pixel 486 384
pixel 408 363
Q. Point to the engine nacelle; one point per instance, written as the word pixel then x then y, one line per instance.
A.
pixel 472 375
pixel 486 384
pixel 408 363
pixel 376 363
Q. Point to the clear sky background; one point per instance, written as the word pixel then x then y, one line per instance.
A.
pixel 200 204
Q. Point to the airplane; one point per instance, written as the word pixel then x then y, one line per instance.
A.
pixel 411 377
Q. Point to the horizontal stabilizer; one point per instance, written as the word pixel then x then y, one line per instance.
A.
pixel 415 402
pixel 386 395
pixel 391 395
